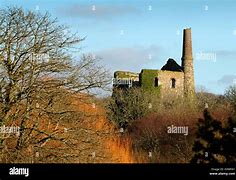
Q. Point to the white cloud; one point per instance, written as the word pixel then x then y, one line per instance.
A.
pixel 227 80
pixel 129 58
pixel 226 53
pixel 98 11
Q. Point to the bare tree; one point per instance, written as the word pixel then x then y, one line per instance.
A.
pixel 36 67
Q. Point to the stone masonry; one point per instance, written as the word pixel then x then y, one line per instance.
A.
pixel 171 80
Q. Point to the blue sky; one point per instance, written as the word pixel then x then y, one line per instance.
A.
pixel 136 34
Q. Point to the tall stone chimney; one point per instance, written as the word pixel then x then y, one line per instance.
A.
pixel 187 64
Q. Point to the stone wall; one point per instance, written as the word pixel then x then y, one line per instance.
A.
pixel 164 80
pixel 122 77
pixel 146 80
pixel 127 74
pixel 182 75
pixel 187 64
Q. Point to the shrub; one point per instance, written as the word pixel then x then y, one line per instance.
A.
pixel 230 94
pixel 126 106
pixel 207 143
pixel 148 141
pixel 213 101
pixel 229 141
pixel 214 142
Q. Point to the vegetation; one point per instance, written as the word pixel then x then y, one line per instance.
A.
pixel 150 142
pixel 231 95
pixel 148 80
pixel 214 142
pixel 36 72
pixel 50 97
pixel 126 106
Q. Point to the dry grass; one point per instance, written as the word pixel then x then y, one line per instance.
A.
pixel 149 134
pixel 96 140
pixel 121 149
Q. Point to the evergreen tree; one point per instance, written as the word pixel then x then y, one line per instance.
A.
pixel 229 141
pixel 207 146
pixel 215 143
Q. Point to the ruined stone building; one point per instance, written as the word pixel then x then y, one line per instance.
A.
pixel 171 80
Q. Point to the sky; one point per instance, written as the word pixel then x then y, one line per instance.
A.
pixel 136 34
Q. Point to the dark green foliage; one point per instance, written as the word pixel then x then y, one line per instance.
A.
pixel 148 141
pixel 126 106
pixel 229 141
pixel 148 80
pixel 231 95
pixel 214 143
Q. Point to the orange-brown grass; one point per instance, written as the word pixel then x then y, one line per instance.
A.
pixel 121 149
pixel 171 148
